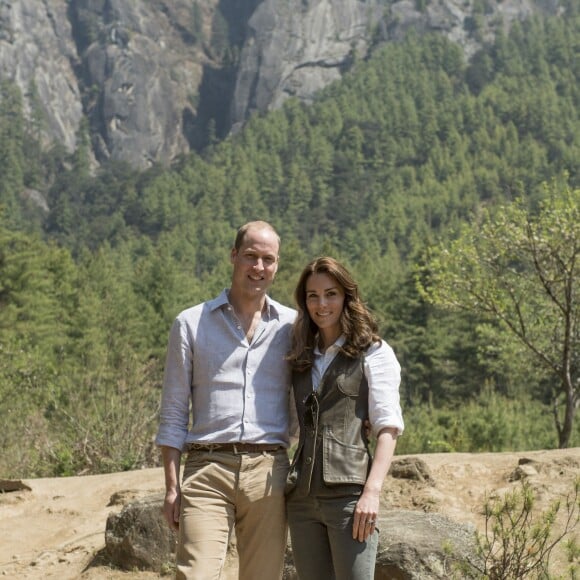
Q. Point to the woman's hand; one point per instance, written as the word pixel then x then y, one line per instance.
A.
pixel 365 515
pixel 367 507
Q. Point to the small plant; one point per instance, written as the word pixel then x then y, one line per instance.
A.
pixel 518 543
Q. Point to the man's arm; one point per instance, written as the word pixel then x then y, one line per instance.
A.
pixel 171 465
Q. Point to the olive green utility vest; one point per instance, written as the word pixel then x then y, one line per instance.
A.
pixel 332 458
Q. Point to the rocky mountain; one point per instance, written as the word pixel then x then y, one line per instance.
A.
pixel 153 79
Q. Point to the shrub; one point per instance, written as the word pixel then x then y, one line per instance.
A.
pixel 518 544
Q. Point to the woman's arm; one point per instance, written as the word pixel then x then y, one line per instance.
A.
pixel 367 507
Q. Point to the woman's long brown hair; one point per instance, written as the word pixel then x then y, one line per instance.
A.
pixel 356 321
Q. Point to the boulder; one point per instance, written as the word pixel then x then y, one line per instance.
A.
pixel 412 545
pixel 412 468
pixel 138 538
pixel 420 546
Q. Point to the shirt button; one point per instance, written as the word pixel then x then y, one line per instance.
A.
pixel 309 460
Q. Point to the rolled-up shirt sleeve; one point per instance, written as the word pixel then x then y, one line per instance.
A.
pixel 175 401
pixel 383 373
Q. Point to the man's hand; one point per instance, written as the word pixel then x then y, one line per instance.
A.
pixel 171 463
pixel 171 508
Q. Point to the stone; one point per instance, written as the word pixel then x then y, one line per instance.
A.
pixel 412 468
pixel 420 546
pixel 296 48
pixel 413 545
pixel 10 485
pixel 139 538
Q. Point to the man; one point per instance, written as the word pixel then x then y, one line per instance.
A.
pixel 226 359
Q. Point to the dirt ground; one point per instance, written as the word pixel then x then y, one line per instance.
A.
pixel 57 528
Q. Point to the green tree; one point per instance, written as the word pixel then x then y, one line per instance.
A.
pixel 522 269
pixel 11 153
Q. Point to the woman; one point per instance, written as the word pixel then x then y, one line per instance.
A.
pixel 344 378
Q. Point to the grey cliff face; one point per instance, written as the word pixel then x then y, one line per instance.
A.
pixel 140 76
pixel 36 48
pixel 154 78
pixel 131 67
pixel 296 48
pixel 457 21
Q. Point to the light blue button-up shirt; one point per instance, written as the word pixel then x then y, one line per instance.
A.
pixel 218 388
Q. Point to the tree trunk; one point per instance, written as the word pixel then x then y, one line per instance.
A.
pixel 565 433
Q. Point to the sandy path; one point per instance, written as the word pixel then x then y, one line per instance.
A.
pixel 56 529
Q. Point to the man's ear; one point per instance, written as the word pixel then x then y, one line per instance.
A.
pixel 233 255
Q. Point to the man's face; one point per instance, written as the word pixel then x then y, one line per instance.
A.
pixel 255 262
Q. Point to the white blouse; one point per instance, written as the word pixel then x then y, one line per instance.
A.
pixel 383 373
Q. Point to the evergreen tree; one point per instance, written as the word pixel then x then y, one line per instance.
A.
pixel 11 151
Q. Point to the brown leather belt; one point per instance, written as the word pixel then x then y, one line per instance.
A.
pixel 235 448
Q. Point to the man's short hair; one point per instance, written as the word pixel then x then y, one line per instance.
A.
pixel 258 225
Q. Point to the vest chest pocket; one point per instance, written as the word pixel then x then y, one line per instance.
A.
pixel 343 463
pixel 349 382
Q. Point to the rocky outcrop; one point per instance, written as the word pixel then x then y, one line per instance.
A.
pixel 412 545
pixel 38 53
pixel 131 67
pixel 155 77
pixel 141 68
pixel 416 545
pixel 459 21
pixel 295 48
pixel 138 537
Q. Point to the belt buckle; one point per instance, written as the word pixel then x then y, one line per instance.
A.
pixel 239 452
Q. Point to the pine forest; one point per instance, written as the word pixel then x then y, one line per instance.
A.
pixel 451 189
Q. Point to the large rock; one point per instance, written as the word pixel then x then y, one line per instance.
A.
pixel 421 546
pixel 412 545
pixel 297 47
pixel 132 67
pixel 138 537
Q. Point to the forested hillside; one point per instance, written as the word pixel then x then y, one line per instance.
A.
pixel 411 145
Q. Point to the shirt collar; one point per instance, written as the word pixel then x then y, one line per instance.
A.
pixel 222 301
pixel 333 348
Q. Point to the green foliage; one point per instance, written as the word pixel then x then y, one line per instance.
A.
pixel 520 269
pixel 518 543
pixel 11 150
pixel 105 423
pixel 488 422
pixel 409 146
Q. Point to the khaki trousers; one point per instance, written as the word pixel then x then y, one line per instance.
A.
pixel 222 492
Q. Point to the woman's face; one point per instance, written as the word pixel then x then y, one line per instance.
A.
pixel 324 302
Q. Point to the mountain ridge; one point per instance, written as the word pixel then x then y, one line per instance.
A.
pixel 155 80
